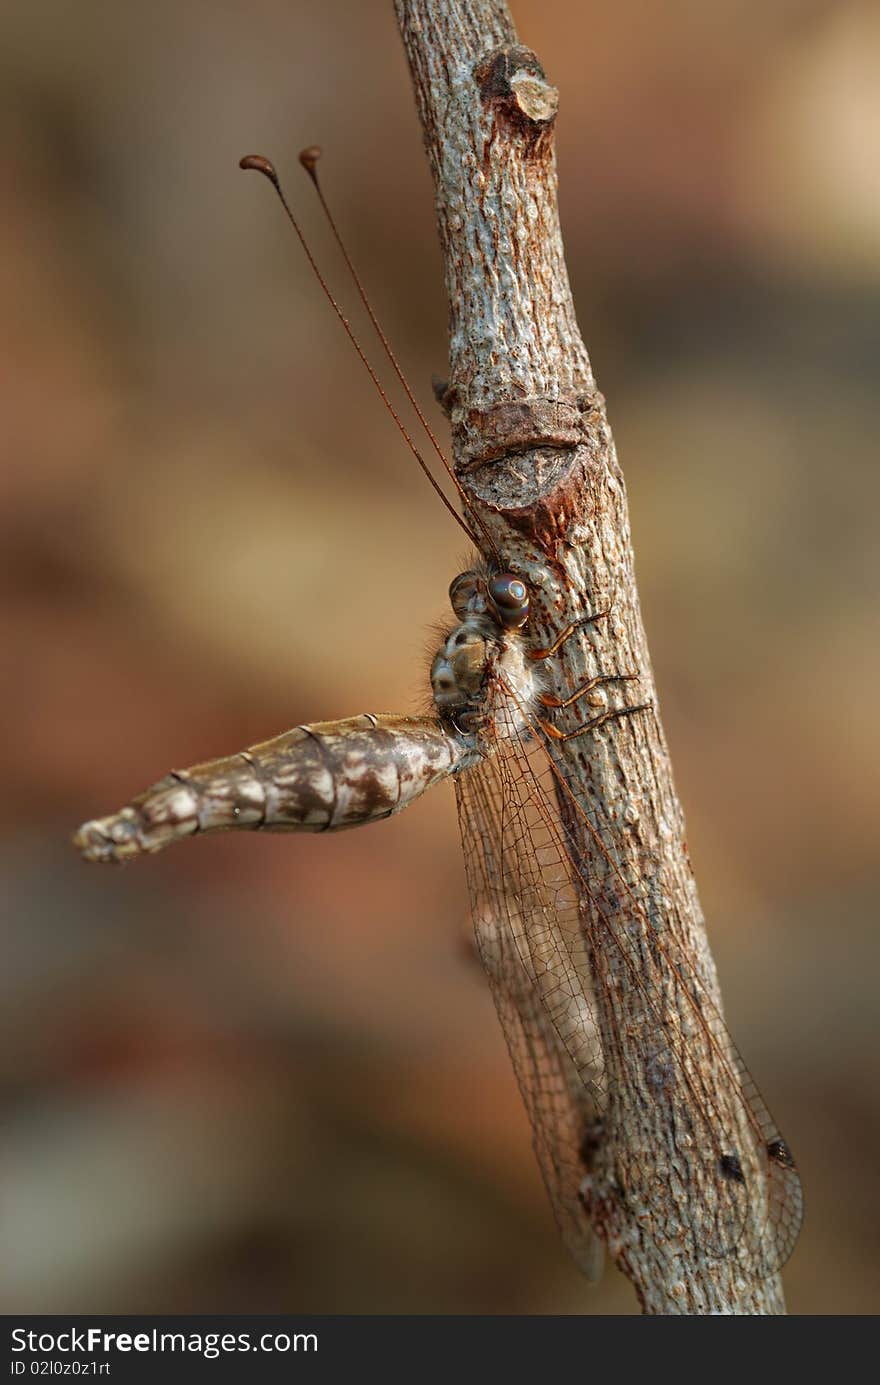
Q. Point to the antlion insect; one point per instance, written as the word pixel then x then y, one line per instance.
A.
pixel 559 936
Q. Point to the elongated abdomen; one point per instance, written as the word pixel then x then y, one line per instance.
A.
pixel 317 778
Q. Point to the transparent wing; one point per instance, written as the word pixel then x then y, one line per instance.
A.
pixel 556 944
pixel 509 898
pixel 561 1105
pixel 563 1116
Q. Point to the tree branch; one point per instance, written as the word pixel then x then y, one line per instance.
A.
pixel 534 452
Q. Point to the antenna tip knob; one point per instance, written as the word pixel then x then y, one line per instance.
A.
pixel 260 165
pixel 309 158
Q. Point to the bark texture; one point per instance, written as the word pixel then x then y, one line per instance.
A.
pixel 534 452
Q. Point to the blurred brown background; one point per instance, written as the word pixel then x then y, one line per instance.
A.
pixel 256 1074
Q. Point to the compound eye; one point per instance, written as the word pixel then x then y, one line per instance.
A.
pixel 509 596
pixel 464 594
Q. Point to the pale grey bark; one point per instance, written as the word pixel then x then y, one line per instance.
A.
pixel 535 454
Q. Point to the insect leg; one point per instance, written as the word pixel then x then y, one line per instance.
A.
pixel 548 651
pixel 556 735
pixel 548 700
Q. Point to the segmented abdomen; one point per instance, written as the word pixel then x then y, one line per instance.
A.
pixel 317 778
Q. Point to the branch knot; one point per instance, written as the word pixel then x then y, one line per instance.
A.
pixel 518 425
pixel 512 78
